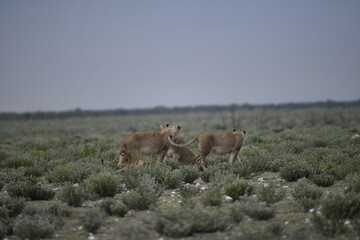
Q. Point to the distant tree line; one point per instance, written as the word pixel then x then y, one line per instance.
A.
pixel 173 110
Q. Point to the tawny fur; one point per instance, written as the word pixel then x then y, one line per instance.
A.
pixel 134 145
pixel 181 154
pixel 218 143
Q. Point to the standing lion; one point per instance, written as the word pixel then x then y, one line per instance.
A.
pixel 134 145
pixel 215 142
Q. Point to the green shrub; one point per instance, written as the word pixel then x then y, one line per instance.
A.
pixel 254 160
pixel 190 173
pixel 323 180
pixel 4 217
pixel 268 193
pixel 132 176
pixel 16 163
pixel 187 193
pixel 80 174
pixel 173 180
pixel 34 171
pixel 207 174
pixel 295 170
pixel 56 209
pixel 353 183
pixel 173 164
pixel 185 222
pixel 212 197
pixel 341 206
pixel 275 228
pixel 308 196
pixel 258 211
pixel 14 205
pixel 328 227
pixel 236 213
pixel 29 190
pixel 73 196
pixel 92 220
pixel 143 197
pixel 237 189
pixel 33 227
pixel 104 184
pixel 60 174
pixel 3 230
pixel 114 207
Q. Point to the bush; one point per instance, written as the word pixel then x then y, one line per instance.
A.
pixel 258 211
pixel 255 160
pixel 56 209
pixel 12 204
pixel 328 227
pixel 207 174
pixel 353 183
pixel 33 227
pixel 323 180
pixel 143 197
pixel 16 163
pixel 104 184
pixel 341 206
pixel 4 219
pixel 236 213
pixel 60 174
pixel 190 173
pixel 3 230
pixel 187 193
pixel 114 207
pixel 34 171
pixel 92 220
pixel 132 176
pixel 237 189
pixel 212 197
pixel 29 190
pixel 139 200
pixel 73 196
pixel 173 164
pixel 295 170
pixel 173 180
pixel 184 222
pixel 308 196
pixel 269 194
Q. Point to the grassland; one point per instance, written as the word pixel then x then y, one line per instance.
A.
pixel 298 178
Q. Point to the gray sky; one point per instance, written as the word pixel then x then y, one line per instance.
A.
pixel 59 55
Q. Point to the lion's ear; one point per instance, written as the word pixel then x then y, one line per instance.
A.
pixel 178 128
pixel 162 127
pixel 244 131
pixel 167 125
pixel 234 130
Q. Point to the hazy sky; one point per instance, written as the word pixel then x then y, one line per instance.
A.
pixel 59 55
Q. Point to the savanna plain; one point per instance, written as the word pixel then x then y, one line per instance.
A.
pixel 297 177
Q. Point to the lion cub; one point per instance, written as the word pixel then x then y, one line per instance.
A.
pixel 215 142
pixel 134 145
pixel 181 154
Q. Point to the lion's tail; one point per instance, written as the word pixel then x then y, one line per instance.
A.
pixel 181 145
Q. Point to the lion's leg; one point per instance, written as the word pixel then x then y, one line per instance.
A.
pixel 137 158
pixel 233 156
pixel 161 156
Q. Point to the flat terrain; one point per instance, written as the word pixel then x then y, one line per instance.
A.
pixel 298 177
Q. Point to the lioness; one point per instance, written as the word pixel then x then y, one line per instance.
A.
pixel 218 143
pixel 134 145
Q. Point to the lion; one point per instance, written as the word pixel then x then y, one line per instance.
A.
pixel 215 142
pixel 134 145
pixel 181 154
